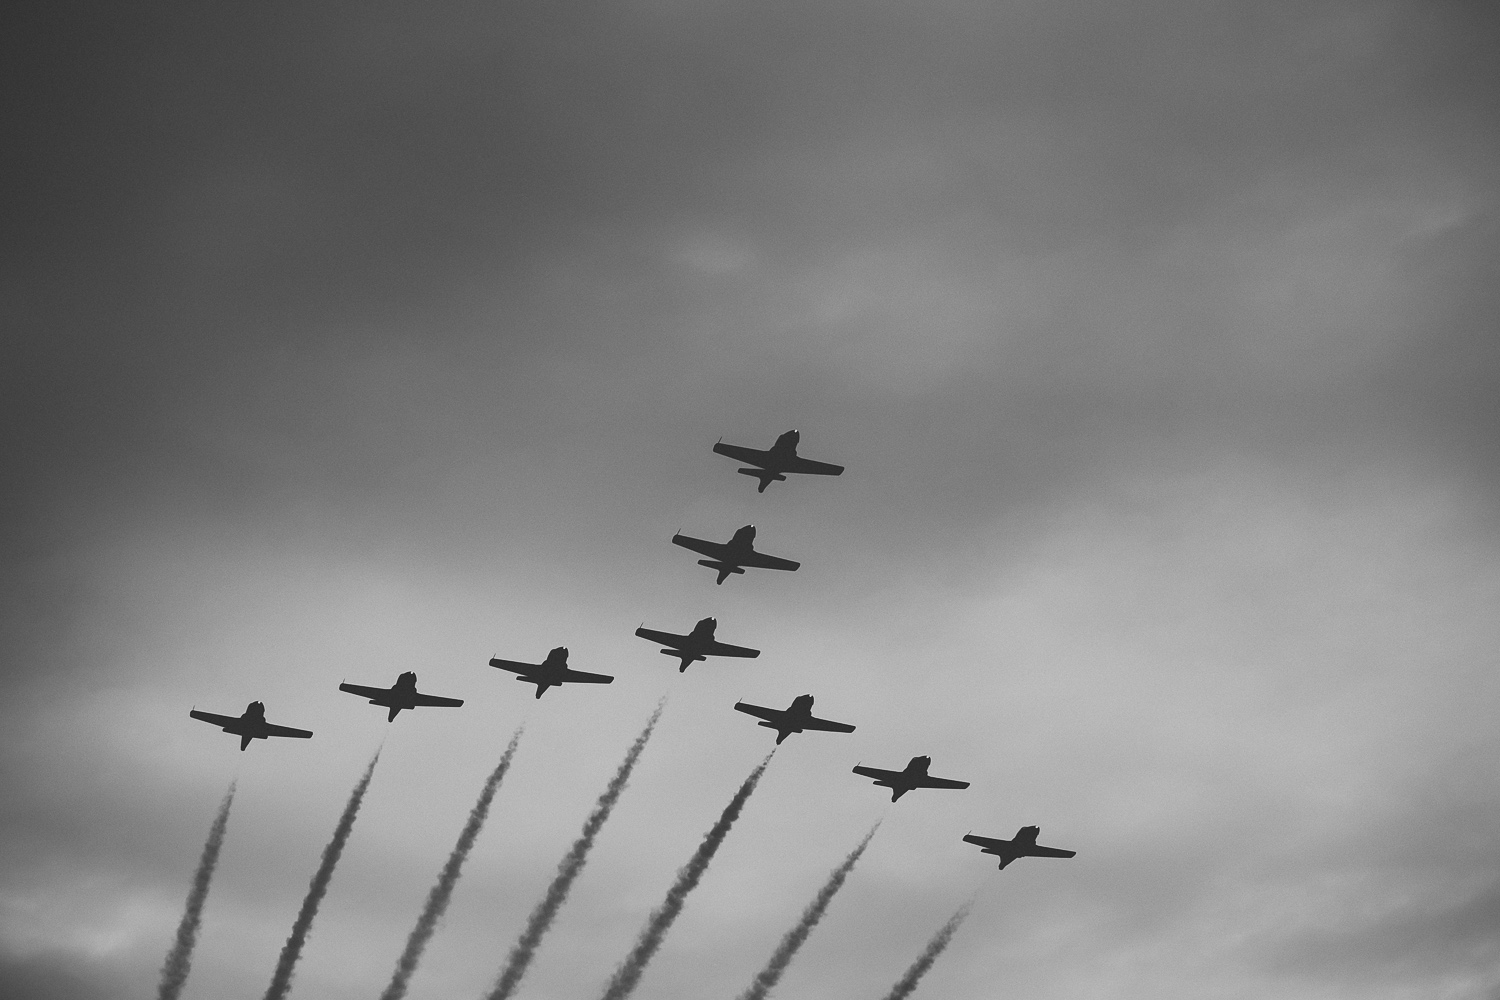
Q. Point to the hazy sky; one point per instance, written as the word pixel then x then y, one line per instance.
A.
pixel 1158 338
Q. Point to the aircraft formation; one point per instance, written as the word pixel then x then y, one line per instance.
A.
pixel 726 559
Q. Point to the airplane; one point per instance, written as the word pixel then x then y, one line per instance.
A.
pixel 914 776
pixel 402 694
pixel 250 726
pixel 773 465
pixel 699 644
pixel 732 556
pixel 796 718
pixel 551 672
pixel 1024 846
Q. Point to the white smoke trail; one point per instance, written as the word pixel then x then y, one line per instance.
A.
pixel 174 970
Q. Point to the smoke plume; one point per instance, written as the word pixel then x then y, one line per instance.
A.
pixel 281 981
pixel 174 971
pixel 629 973
pixel 568 869
pixel 918 969
pixel 768 977
pixel 442 892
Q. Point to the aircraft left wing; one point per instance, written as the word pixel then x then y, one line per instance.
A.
pixel 665 638
pixel 725 649
pixel 301 734
pixel 760 560
pixel 365 692
pixel 434 701
pixel 808 467
pixel 739 453
pixel 714 550
pixel 769 714
pixel 218 720
pixel 923 781
pixel 877 773
pixel 516 667
pixel 989 843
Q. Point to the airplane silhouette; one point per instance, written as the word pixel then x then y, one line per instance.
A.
pixel 250 726
pixel 699 644
pixel 732 556
pixel 400 695
pixel 551 672
pixel 913 776
pixel 795 718
pixel 773 465
pixel 1023 846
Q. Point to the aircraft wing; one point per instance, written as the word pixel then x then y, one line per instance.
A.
pixel 665 638
pixel 739 453
pixel 218 720
pixel 725 649
pixel 877 773
pixel 714 550
pixel 365 692
pixel 923 781
pixel 762 561
pixel 517 667
pixel 1049 852
pixel 584 677
pixel 271 730
pixel 989 843
pixel 827 726
pixel 434 701
pixel 769 714
pixel 811 468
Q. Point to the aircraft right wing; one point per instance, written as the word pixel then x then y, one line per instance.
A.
pixel 769 714
pixel 923 781
pixel 665 638
pixel 434 701
pixel 218 720
pixel 827 726
pixel 990 843
pixel 725 649
pixel 877 773
pixel 739 453
pixel 1049 852
pixel 714 550
pixel 364 692
pixel 300 734
pixel 571 676
pixel 811 468
pixel 762 561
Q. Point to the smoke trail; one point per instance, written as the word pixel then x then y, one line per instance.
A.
pixel 174 971
pixel 767 978
pixel 442 892
pixel 281 981
pixel 567 870
pixel 623 982
pixel 918 969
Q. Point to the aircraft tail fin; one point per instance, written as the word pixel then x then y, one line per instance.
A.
pixel 394 710
pixel 245 741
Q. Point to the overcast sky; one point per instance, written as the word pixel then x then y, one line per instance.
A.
pixel 1158 338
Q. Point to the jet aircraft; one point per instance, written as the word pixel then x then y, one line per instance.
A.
pixel 914 776
pixel 795 718
pixel 773 465
pixel 1024 846
pixel 699 644
pixel 552 671
pixel 250 726
pixel 402 694
pixel 732 556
